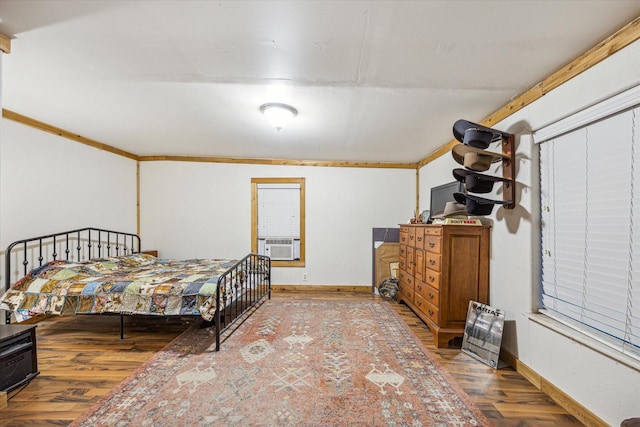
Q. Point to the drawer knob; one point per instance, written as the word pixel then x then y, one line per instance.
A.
pixel 431 244
pixel 432 262
pixel 431 278
pixel 431 296
pixel 430 312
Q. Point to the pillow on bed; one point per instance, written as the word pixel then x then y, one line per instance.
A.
pixel 137 260
pixel 102 266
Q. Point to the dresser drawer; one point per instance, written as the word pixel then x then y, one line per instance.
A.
pixel 402 263
pixel 427 292
pixel 428 309
pixel 433 231
pixel 419 287
pixel 402 251
pixel 412 236
pixel 402 276
pixel 405 293
pixel 418 270
pixel 431 311
pixel 411 260
pixel 433 243
pixel 432 261
pixel 409 280
pixel 419 239
pixel 404 235
pixel 432 278
pixel 402 284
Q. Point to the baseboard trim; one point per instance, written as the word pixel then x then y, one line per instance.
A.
pixel 585 416
pixel 321 288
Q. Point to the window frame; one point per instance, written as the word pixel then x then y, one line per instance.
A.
pixel 254 218
pixel 620 349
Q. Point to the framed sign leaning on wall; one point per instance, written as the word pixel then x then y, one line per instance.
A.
pixel 483 333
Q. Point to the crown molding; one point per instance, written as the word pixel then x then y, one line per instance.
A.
pixel 28 121
pixel 279 162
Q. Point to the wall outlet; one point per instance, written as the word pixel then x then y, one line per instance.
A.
pixel 304 277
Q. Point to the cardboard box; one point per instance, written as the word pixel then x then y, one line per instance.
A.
pixel 387 258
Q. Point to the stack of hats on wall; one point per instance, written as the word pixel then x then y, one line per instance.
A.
pixel 472 154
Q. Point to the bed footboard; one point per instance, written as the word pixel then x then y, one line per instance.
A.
pixel 241 288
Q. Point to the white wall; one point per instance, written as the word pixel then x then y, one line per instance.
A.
pixel 435 173
pixel 606 387
pixel 204 210
pixel 50 184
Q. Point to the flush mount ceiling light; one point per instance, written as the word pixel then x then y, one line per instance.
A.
pixel 278 114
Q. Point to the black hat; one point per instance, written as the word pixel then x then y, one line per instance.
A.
pixel 476 182
pixel 478 205
pixel 476 135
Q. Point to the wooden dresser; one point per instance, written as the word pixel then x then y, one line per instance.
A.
pixel 442 268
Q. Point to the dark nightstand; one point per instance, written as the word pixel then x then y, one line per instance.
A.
pixel 18 358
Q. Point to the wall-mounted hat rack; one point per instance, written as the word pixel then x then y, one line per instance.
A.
pixel 509 171
pixel 471 154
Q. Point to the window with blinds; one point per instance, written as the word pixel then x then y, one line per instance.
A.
pixel 279 210
pixel 278 219
pixel 590 221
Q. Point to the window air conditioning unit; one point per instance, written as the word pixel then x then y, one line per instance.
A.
pixel 279 249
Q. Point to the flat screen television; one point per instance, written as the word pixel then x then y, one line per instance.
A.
pixel 442 194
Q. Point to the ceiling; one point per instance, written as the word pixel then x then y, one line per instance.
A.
pixel 373 81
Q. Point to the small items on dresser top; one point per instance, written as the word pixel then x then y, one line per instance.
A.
pixel 457 221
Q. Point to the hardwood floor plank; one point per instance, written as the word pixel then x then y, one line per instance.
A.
pixel 82 358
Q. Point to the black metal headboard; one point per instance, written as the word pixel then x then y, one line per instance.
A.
pixel 73 245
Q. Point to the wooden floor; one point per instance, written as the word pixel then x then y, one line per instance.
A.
pixel 81 358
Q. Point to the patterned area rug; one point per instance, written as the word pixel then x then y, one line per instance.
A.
pixel 298 363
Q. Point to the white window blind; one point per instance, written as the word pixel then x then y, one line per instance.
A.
pixel 590 225
pixel 279 210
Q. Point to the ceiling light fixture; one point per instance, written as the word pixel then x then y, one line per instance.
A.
pixel 278 114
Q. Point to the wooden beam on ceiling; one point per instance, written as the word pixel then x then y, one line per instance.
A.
pixel 5 44
pixel 612 44
pixel 10 115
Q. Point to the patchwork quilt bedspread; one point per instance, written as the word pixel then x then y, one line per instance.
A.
pixel 132 284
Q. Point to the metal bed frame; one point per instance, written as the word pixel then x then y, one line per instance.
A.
pixel 252 272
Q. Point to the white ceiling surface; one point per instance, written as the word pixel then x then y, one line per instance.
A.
pixel 374 81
